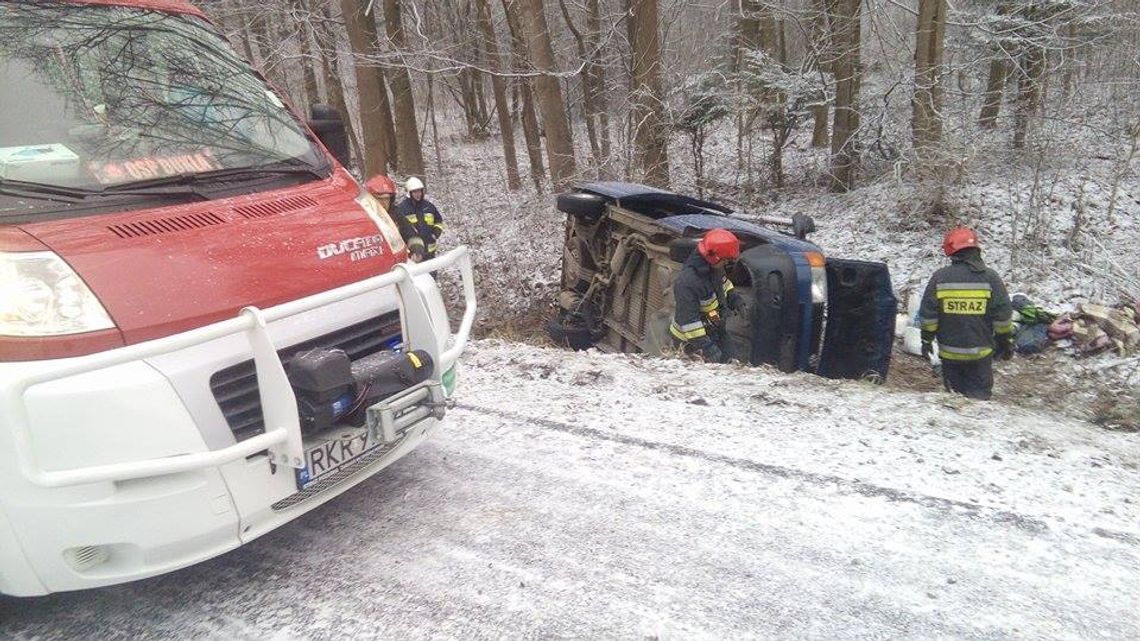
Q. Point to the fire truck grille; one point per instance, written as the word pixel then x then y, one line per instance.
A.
pixel 235 387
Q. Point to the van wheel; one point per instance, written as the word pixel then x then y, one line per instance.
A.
pixel 569 330
pixel 586 207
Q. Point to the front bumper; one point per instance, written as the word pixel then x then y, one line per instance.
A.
pixel 118 465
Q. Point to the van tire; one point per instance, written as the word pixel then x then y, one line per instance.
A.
pixel 586 207
pixel 566 333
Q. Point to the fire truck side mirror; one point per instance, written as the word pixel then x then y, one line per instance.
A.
pixel 328 125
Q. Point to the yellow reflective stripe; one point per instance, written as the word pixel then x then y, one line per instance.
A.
pixel 415 360
pixel 966 354
pixel 687 335
pixel 930 326
pixel 964 293
pixel 1003 327
pixel 709 304
pixel 727 285
pixel 974 285
pixel 429 218
pixel 411 218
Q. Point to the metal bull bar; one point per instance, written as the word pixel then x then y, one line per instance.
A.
pixel 282 437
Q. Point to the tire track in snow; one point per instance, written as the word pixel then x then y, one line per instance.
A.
pixel 1030 524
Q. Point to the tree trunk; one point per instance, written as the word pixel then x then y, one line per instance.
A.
pixel 597 71
pixel 308 73
pixel 845 18
pixel 926 105
pixel 528 118
pixel 650 138
pixel 234 22
pixel 821 60
pixel 757 30
pixel 383 107
pixel 587 84
pixel 1031 71
pixel 995 86
pixel 559 141
pixel 411 157
pixel 367 87
pixel 499 89
pixel 335 87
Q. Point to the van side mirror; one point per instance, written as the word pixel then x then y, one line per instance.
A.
pixel 327 123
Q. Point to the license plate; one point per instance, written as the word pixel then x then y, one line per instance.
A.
pixel 339 450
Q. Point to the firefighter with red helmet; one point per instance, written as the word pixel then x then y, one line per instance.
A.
pixel 700 292
pixel 383 189
pixel 966 307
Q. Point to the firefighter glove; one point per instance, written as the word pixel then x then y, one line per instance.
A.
pixel 927 349
pixel 734 302
pixel 417 252
pixel 1003 347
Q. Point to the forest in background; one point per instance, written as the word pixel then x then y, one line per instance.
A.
pixel 921 87
pixel 752 104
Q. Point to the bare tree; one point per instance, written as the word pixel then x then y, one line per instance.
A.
pixel 498 87
pixel 650 141
pixel 596 107
pixel 845 18
pixel 588 88
pixel 995 87
pixel 411 157
pixel 559 141
pixel 820 59
pixel 926 112
pixel 520 61
pixel 367 86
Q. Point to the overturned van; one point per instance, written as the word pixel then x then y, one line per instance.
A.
pixel 625 244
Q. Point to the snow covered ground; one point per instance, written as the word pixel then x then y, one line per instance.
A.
pixel 612 496
pixel 1028 219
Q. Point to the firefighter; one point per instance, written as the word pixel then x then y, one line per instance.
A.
pixel 421 214
pixel 700 292
pixel 967 308
pixel 383 189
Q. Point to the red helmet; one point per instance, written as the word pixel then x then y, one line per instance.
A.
pixel 958 239
pixel 380 184
pixel 718 245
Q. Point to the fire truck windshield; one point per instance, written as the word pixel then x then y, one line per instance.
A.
pixel 98 96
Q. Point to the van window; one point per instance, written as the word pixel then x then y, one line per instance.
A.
pixel 99 96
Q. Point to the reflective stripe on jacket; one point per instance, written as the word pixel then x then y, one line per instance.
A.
pixel 698 294
pixel 965 305
pixel 424 218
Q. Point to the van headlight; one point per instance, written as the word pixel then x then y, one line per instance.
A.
pixel 818 277
pixel 40 295
pixel 380 216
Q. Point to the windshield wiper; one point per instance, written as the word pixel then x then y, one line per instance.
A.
pixel 43 191
pixel 258 171
pixel 176 186
pixel 65 194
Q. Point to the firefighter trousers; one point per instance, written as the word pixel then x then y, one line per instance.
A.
pixel 972 379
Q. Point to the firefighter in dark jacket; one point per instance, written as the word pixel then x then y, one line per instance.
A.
pixel 384 191
pixel 700 292
pixel 421 214
pixel 967 308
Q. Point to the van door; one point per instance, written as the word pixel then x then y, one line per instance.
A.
pixel 861 309
pixel 775 310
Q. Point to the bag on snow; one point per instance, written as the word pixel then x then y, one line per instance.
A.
pixel 1032 339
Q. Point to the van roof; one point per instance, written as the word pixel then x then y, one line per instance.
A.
pixel 169 6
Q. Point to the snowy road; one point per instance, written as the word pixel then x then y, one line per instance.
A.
pixel 608 497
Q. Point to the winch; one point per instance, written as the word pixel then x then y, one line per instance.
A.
pixel 331 388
